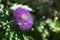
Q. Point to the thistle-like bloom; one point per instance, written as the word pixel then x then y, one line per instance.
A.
pixel 23 18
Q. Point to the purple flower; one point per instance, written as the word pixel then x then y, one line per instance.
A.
pixel 23 18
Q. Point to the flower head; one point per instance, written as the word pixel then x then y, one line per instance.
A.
pixel 23 18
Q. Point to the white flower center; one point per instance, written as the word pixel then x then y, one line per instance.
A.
pixel 24 16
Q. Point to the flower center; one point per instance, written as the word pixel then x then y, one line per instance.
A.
pixel 24 16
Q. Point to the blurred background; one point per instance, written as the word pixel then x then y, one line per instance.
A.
pixel 46 16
